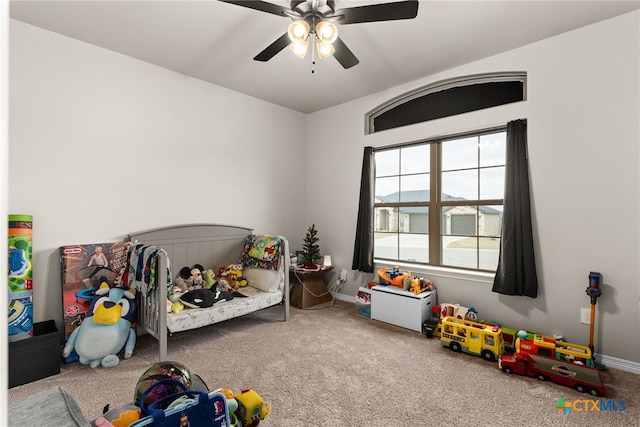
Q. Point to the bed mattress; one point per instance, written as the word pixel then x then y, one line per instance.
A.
pixel 191 318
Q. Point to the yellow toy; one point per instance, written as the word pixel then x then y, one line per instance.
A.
pixel 419 285
pixel 234 276
pixel 251 408
pixel 177 307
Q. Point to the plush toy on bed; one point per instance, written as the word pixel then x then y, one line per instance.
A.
pixel 209 278
pixel 173 300
pixel 190 278
pixel 202 298
pixel 106 328
pixel 215 285
pixel 196 287
pixel 234 277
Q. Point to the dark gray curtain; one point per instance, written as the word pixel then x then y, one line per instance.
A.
pixel 516 273
pixel 363 249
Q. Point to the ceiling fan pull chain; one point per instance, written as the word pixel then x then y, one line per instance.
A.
pixel 313 47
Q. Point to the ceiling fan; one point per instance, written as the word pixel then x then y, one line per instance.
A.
pixel 314 24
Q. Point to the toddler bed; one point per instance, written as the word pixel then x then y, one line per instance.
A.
pixel 212 246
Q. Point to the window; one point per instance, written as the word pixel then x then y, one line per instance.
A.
pixel 448 98
pixel 440 202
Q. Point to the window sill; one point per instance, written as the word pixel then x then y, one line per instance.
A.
pixel 433 272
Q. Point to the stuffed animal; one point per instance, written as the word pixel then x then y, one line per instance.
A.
pixel 106 328
pixel 177 306
pixel 234 276
pixel 196 276
pixel 209 278
pixel 198 298
pixel 174 305
pixel 189 279
pixel 196 287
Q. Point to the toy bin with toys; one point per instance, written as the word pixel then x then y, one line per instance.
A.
pixel 363 302
pixel 393 276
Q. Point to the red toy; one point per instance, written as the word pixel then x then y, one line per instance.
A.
pixel 546 358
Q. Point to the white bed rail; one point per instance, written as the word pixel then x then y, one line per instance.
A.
pixel 152 311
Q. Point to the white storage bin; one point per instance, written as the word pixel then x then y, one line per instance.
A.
pixel 394 305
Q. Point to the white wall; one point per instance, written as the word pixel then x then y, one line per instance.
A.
pixel 91 131
pixel 583 131
pixel 102 145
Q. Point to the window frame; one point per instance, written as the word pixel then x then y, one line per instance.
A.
pixel 443 85
pixel 435 202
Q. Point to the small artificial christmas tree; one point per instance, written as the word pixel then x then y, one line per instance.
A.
pixel 310 247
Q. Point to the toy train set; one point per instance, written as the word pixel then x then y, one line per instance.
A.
pixel 520 352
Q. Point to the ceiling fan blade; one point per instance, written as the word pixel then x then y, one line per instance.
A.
pixel 343 54
pixel 275 47
pixel 262 6
pixel 377 12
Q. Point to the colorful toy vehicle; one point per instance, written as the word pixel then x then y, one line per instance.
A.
pixel 431 327
pixel 472 337
pixel 508 335
pixel 546 358
pixel 393 277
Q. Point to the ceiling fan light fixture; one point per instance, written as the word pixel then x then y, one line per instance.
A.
pixel 299 31
pixel 324 49
pixel 300 47
pixel 327 31
pixel 318 18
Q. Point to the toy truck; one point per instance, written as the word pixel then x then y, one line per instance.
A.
pixel 431 327
pixel 471 337
pixel 549 360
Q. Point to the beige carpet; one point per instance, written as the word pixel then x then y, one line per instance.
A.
pixel 331 367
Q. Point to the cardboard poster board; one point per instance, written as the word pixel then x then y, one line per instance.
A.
pixel 82 266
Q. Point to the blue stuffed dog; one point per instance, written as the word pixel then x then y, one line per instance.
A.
pixel 106 328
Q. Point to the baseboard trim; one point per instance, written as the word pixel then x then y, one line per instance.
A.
pixel 343 297
pixel 620 364
pixel 607 361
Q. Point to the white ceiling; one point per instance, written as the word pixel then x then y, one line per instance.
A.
pixel 216 42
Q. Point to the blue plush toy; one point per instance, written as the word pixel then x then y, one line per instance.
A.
pixel 106 328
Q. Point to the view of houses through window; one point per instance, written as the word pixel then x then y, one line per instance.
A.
pixel 440 202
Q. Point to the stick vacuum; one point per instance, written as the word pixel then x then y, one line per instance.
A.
pixel 594 292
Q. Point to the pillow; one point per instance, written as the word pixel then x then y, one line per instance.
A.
pixel 264 280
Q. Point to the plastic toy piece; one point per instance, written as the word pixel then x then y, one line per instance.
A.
pixel 251 408
pixel 420 284
pixel 122 416
pixel 471 337
pixel 393 276
pixel 456 310
pixel 546 358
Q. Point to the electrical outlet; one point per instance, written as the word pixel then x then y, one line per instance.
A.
pixel 343 275
pixel 585 316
